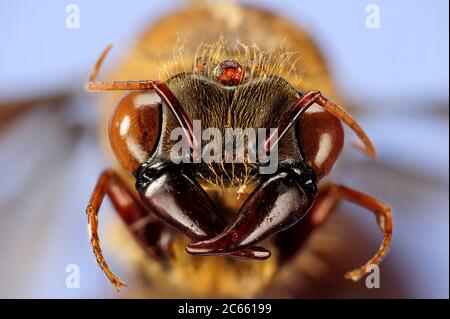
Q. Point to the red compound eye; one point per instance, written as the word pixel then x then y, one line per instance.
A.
pixel 229 72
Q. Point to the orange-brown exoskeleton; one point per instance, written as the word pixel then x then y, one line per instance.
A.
pixel 227 76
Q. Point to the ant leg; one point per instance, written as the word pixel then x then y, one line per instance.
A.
pixel 328 197
pixel 383 214
pixel 146 229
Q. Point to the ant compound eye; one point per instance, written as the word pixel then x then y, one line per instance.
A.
pixel 320 136
pixel 229 72
pixel 135 128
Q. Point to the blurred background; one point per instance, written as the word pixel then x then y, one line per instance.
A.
pixel 396 75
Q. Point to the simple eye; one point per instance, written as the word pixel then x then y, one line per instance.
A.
pixel 135 128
